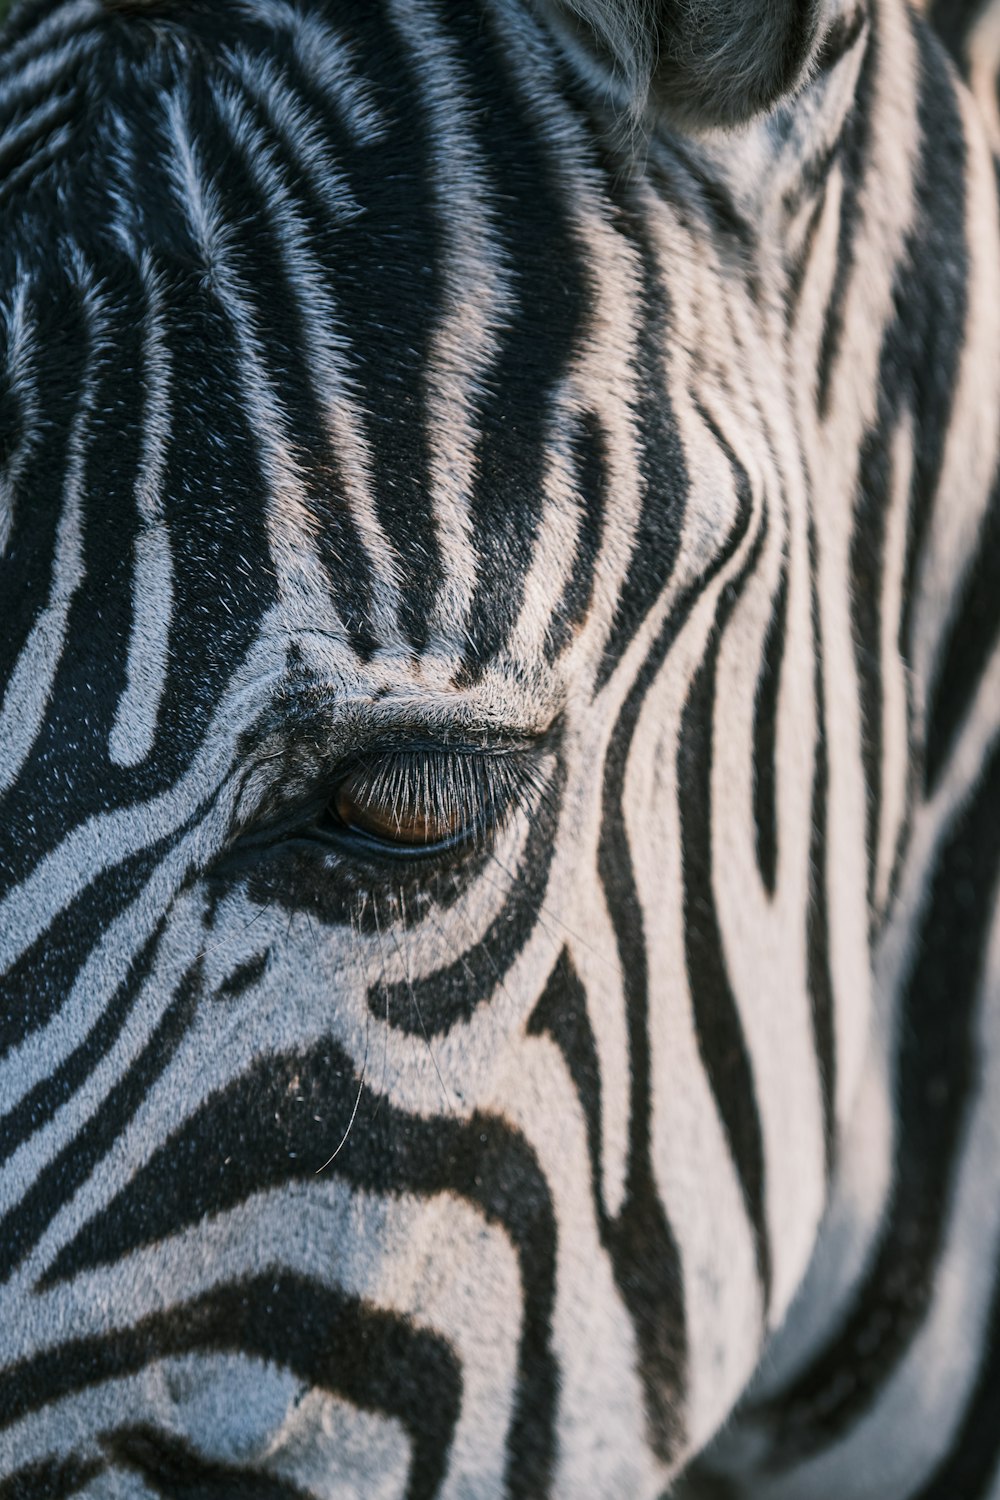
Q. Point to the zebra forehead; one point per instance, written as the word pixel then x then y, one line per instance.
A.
pixel 370 291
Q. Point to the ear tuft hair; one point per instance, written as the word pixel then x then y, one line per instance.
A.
pixel 702 62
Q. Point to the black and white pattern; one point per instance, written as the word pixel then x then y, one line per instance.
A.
pixel 499 751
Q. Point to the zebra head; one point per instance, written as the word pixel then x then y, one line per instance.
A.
pixel 437 859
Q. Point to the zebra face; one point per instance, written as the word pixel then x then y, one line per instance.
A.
pixel 420 1061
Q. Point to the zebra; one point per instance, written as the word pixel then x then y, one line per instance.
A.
pixel 499 750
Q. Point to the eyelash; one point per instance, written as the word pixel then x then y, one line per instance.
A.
pixel 417 803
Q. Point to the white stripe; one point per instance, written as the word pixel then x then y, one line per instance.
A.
pixel 893 673
pixel 134 729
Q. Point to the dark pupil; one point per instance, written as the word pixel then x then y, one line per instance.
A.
pixel 395 815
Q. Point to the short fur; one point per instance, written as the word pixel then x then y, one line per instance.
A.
pixel 702 62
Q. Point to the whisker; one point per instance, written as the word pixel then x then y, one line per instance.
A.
pixel 361 1087
pixel 613 964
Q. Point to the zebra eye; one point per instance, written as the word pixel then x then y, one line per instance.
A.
pixel 424 801
pixel 390 816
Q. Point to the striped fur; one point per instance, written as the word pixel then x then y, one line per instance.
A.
pixel 365 395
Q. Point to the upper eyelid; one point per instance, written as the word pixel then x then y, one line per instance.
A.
pixel 283 806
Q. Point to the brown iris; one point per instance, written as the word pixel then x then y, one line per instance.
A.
pixel 393 810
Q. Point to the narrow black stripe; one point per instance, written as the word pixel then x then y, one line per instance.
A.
pixel 765 722
pixel 217 517
pixel 820 977
pixel 853 159
pixel 35 986
pixel 588 448
pixel 561 1012
pixel 867 563
pixel 924 344
pixel 267 276
pixel 390 281
pixel 243 977
pixel 26 562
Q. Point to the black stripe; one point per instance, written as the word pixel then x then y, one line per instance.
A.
pixel 936 1084
pixel 243 977
pixel 214 528
pixel 35 986
pixel 64 771
pixel 383 272
pixel 23 1226
pixel 301 1326
pixel 853 157
pixel 918 370
pixel 588 449
pixel 561 1012
pixel 39 981
pixel 820 977
pixel 867 565
pixel 925 342
pixel 261 1132
pixel 765 721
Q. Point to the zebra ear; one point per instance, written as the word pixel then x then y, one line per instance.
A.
pixel 701 62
